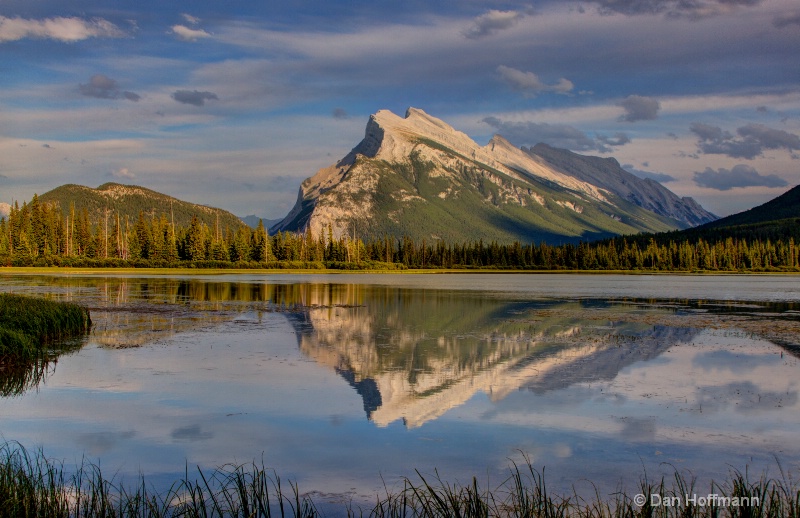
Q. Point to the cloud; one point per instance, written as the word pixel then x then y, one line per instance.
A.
pixel 194 97
pixel 529 83
pixel 556 135
pixel 191 19
pixel 340 114
pixel 673 8
pixel 639 108
pixel 770 138
pixel 189 34
pixel 658 177
pixel 752 141
pixel 103 87
pixel 59 28
pixel 122 173
pixel 787 19
pixel 739 176
pixel 190 433
pixel 492 22
pixel 619 139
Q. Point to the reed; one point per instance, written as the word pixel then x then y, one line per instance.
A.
pixel 33 486
pixel 31 328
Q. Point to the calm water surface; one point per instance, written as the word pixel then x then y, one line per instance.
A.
pixel 338 380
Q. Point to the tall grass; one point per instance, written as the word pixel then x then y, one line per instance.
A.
pixel 29 327
pixel 33 486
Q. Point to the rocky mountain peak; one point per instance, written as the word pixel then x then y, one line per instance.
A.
pixel 418 176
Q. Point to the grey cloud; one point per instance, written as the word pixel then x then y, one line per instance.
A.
pixel 673 8
pixel 340 113
pixel 639 108
pixel 638 428
pixel 97 443
pixel 739 176
pixel 743 397
pixel 530 84
pixel 787 19
pixel 194 97
pixel 492 22
pixel 619 139
pixel 751 142
pixel 770 138
pixel 652 175
pixel 557 135
pixel 103 87
pixel 190 433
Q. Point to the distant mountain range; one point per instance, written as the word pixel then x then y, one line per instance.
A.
pixel 129 200
pixel 418 177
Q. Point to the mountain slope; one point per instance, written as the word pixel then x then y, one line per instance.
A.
pixel 606 173
pixel 129 200
pixel 418 177
pixel 784 206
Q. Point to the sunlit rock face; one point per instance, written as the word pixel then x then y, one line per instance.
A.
pixel 417 176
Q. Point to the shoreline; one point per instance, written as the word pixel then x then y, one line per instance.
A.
pixel 34 270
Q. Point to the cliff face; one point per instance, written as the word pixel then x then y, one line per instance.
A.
pixel 416 176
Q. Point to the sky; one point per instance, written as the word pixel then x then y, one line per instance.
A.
pixel 233 104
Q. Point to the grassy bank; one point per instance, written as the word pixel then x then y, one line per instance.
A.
pixel 33 486
pixel 30 326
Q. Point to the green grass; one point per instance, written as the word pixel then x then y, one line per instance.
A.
pixel 33 486
pixel 31 327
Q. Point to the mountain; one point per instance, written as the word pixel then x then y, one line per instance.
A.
pixel 129 200
pixel 252 221
pixel 784 206
pixel 418 177
pixel 606 173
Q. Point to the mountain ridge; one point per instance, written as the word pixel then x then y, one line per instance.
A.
pixel 416 176
pixel 129 200
pixel 785 206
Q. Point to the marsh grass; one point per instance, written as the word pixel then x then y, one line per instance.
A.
pixel 30 328
pixel 33 486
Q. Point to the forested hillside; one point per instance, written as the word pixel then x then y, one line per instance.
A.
pixel 41 235
pixel 112 200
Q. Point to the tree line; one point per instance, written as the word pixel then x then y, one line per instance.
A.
pixel 38 234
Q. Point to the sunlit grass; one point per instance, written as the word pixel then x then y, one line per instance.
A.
pixel 32 486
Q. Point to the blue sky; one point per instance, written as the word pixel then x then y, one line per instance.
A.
pixel 233 104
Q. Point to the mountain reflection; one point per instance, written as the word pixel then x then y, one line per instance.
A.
pixel 410 354
pixel 414 354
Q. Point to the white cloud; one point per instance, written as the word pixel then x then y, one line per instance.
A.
pixel 59 28
pixel 123 173
pixel 189 34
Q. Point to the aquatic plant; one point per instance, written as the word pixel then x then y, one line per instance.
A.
pixel 30 327
pixel 33 486
pixel 33 332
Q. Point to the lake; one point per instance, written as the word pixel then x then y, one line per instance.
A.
pixel 347 382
